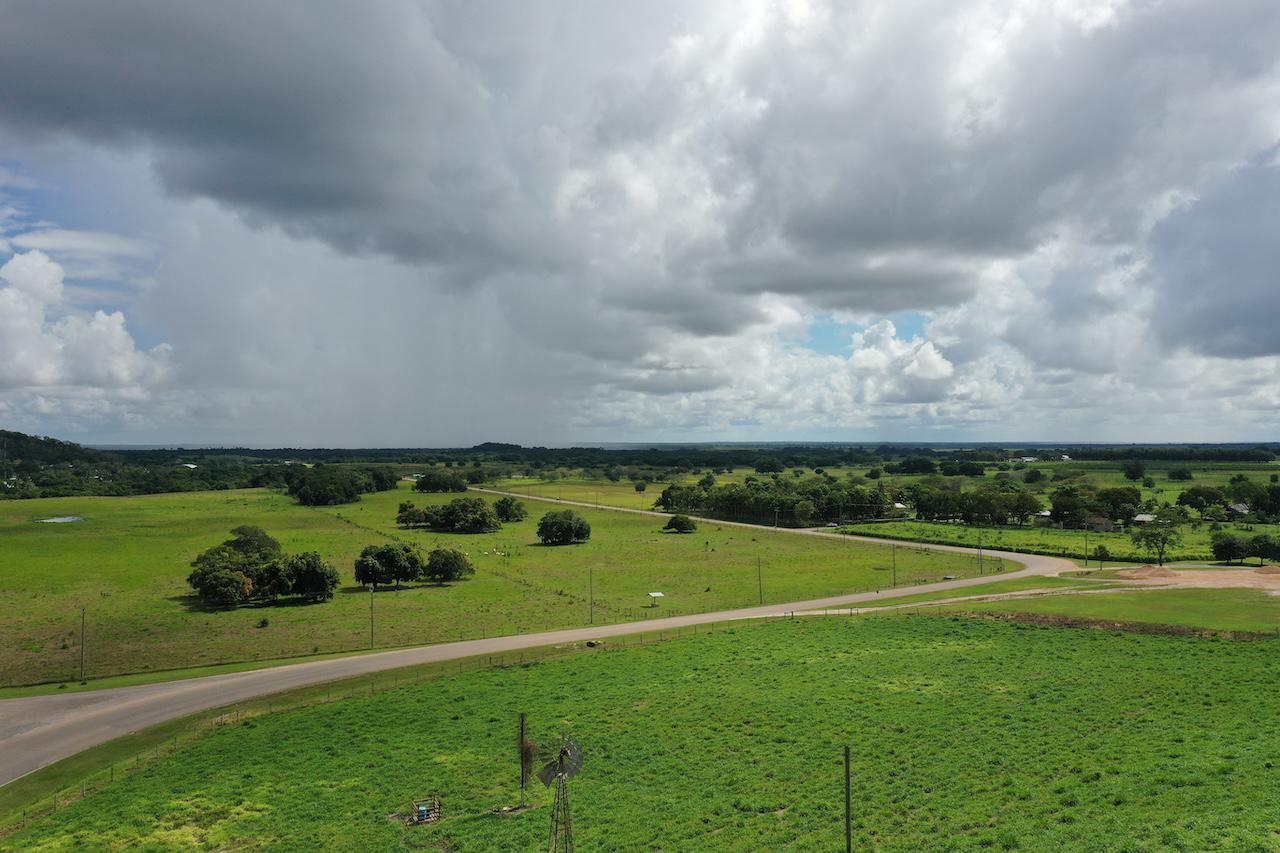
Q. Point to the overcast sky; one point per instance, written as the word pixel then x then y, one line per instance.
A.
pixel 403 223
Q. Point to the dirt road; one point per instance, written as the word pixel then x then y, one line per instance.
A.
pixel 39 730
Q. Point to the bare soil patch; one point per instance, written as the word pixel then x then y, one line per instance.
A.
pixel 1266 578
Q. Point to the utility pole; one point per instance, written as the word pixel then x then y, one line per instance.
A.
pixel 371 588
pixel 759 579
pixel 848 805
pixel 895 565
pixel 1086 547
pixel 520 752
pixel 591 598
pixel 979 551
pixel 82 643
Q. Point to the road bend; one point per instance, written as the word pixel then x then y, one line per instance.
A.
pixel 37 731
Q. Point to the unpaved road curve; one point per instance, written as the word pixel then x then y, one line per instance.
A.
pixel 39 730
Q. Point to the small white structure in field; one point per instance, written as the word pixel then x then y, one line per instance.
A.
pixel 1144 518
pixel 189 466
pixel 653 598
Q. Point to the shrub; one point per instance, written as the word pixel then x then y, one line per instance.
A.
pixel 221 587
pixel 447 564
pixel 563 528
pixel 310 576
pixel 509 509
pixel 680 524
pixel 379 565
pixel 1229 548
pixel 466 515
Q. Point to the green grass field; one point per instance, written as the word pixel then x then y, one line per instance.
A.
pixel 126 563
pixel 966 735
pixel 1218 609
pixel 1050 540
pixel 993 588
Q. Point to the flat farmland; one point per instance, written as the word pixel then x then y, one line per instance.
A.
pixel 126 564
pixel 1034 539
pixel 965 735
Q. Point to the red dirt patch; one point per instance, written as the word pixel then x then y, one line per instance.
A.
pixel 1149 572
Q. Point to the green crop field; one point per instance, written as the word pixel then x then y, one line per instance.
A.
pixel 127 561
pixel 965 735
pixel 1218 609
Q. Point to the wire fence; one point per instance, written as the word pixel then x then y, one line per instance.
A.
pixel 106 775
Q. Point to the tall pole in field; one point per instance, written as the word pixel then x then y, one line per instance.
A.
pixel 979 551
pixel 371 587
pixel 848 805
pixel 1086 547
pixel 520 749
pixel 895 565
pixel 82 643
pixel 591 598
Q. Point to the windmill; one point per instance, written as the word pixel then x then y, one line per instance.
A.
pixel 562 765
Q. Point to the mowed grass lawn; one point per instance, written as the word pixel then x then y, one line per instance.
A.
pixel 965 735
pixel 127 563
pixel 1219 609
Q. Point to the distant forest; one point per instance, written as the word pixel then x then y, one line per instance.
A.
pixel 33 466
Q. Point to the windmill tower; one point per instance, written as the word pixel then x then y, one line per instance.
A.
pixel 563 765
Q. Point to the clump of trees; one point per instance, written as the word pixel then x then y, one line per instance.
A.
pixel 509 510
pixel 383 565
pixel 1233 548
pixel 251 566
pixel 328 485
pixel 680 524
pixel 1000 502
pixel 461 515
pixel 565 527
pixel 786 499
pixel 1072 506
pixel 448 564
pixel 440 480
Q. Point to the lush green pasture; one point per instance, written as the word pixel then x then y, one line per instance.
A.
pixel 1051 540
pixel 1219 609
pixel 966 735
pixel 127 562
pixel 993 588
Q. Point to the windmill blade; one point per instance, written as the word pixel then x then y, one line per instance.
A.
pixel 570 758
pixel 547 775
pixel 565 762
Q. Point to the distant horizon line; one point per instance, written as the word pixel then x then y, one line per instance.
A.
pixel 627 445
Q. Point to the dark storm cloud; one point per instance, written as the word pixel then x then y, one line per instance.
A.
pixel 352 122
pixel 1217 266
pixel 853 282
